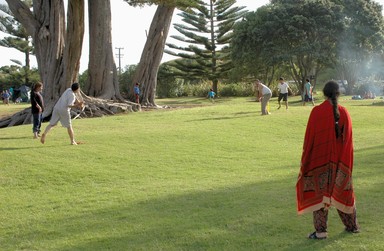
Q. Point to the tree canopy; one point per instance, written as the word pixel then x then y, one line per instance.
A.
pixel 307 36
pixel 299 36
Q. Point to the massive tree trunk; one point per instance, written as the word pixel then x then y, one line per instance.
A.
pixel 146 72
pixel 58 54
pixel 102 74
pixel 57 50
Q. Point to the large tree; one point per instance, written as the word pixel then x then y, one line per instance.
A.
pixel 300 34
pixel 361 41
pixel 57 47
pixel 207 32
pixel 102 74
pixel 146 72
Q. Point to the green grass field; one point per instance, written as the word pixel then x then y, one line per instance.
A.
pixel 208 177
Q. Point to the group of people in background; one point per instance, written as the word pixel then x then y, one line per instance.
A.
pixel 325 176
pixel 5 96
pixel 265 94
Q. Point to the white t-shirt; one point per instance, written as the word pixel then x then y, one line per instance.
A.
pixel 68 98
pixel 265 89
pixel 283 87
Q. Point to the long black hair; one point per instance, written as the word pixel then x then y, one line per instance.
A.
pixel 331 91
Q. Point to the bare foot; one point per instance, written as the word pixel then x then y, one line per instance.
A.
pixel 42 139
pixel 73 143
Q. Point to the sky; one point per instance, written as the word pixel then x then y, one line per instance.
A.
pixel 129 26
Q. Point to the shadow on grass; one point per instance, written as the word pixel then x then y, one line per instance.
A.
pixel 256 216
pixel 259 216
pixel 236 115
pixel 18 137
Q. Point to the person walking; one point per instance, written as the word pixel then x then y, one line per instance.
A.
pixel 37 106
pixel 325 177
pixel 61 112
pixel 265 95
pixel 283 88
pixel 308 91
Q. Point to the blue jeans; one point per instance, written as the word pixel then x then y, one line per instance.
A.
pixel 37 119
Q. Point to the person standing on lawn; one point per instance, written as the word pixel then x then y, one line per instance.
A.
pixel 136 90
pixel 61 112
pixel 308 91
pixel 283 88
pixel 265 95
pixel 325 177
pixel 37 107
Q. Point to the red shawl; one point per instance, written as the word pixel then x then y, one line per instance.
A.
pixel 325 176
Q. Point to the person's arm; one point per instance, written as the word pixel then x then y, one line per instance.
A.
pixel 260 89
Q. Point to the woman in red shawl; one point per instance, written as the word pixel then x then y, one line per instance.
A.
pixel 325 177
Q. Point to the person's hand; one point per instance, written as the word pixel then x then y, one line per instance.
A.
pixel 80 105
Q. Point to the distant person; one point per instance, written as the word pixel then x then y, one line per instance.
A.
pixel 136 90
pixel 61 112
pixel 37 106
pixel 211 95
pixel 283 88
pixel 12 94
pixel 6 97
pixel 265 95
pixel 308 93
pixel 325 177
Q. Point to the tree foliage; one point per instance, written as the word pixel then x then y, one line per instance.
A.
pixel 283 34
pixel 207 32
pixel 19 39
pixel 361 43
pixel 306 36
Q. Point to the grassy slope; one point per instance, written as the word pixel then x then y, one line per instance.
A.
pixel 217 177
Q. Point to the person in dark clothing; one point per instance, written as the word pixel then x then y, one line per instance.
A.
pixel 37 105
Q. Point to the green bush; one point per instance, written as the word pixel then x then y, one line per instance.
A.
pixel 236 90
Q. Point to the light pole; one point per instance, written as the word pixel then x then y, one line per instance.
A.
pixel 119 56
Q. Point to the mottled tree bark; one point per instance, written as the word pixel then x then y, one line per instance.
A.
pixel 57 50
pixel 146 72
pixel 102 74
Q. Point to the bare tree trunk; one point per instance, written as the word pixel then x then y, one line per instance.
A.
pixel 57 51
pixel 102 79
pixel 146 72
pixel 348 71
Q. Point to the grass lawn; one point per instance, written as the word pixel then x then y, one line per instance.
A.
pixel 211 177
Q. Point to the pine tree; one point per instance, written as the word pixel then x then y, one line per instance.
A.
pixel 208 32
pixel 18 39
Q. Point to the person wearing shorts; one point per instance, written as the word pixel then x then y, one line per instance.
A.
pixel 61 112
pixel 283 92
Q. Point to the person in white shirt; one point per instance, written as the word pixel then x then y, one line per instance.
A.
pixel 283 92
pixel 61 112
pixel 265 95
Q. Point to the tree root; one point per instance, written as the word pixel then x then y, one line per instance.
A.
pixel 94 107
